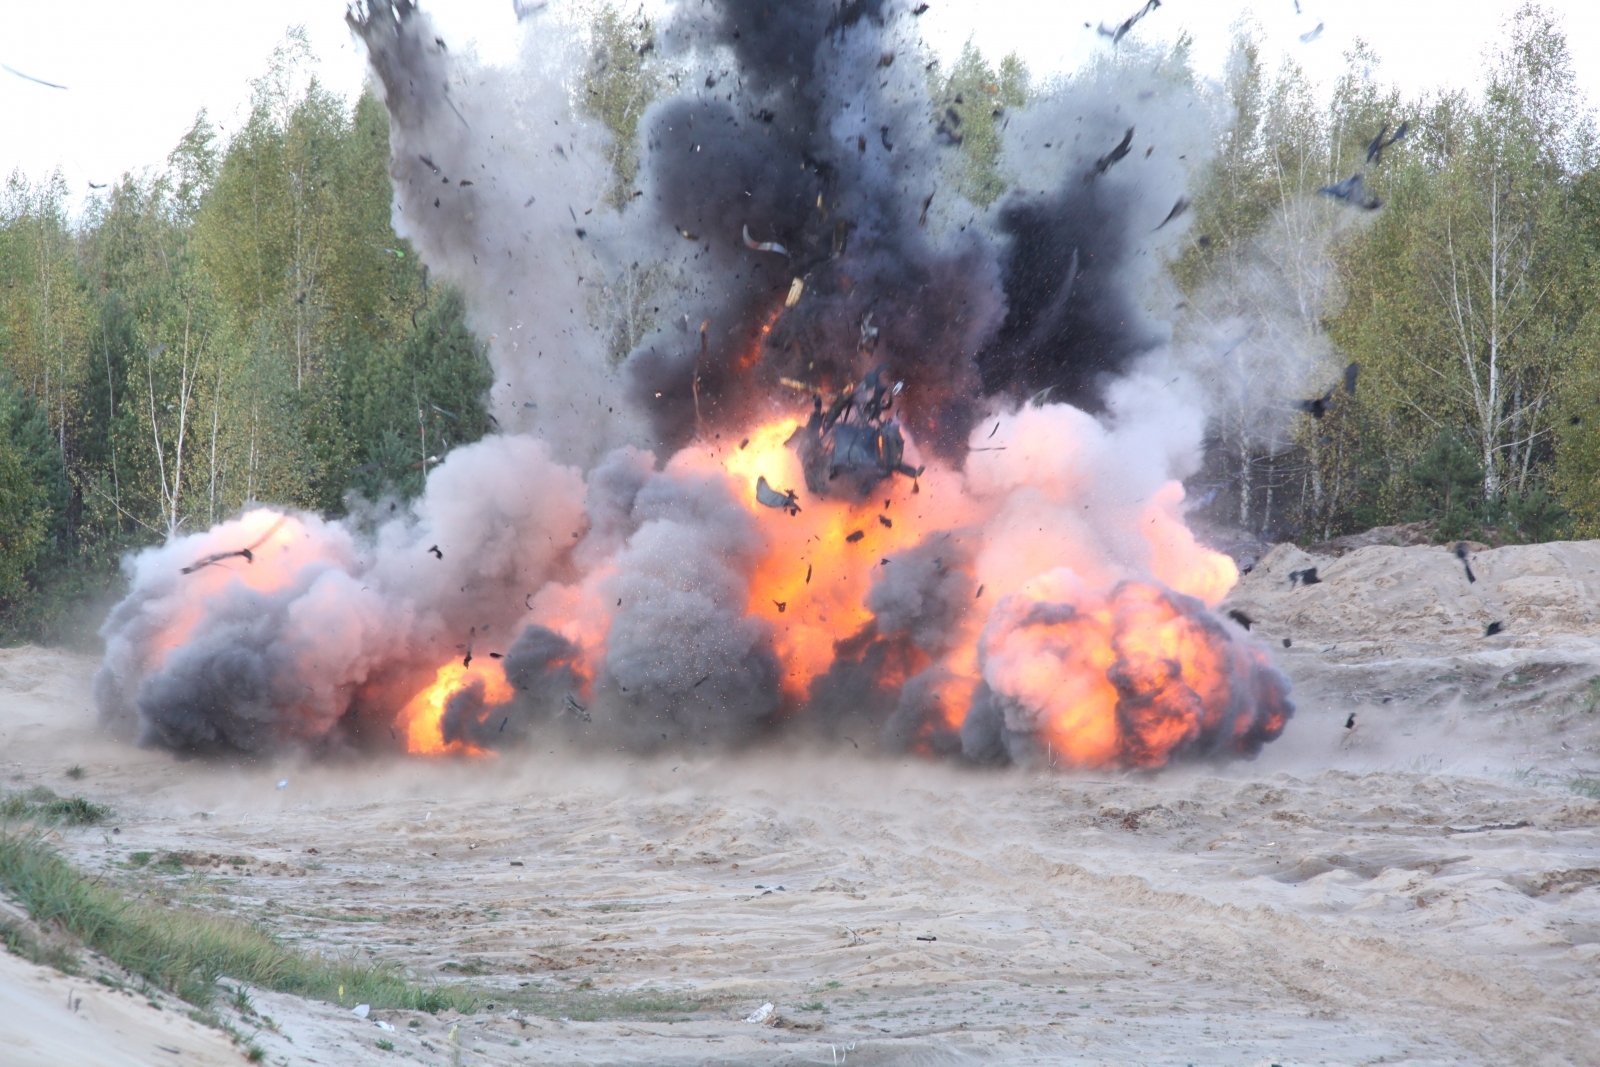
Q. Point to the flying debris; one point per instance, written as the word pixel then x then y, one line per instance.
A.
pixel 247 552
pixel 1351 372
pixel 922 219
pixel 855 536
pixel 525 8
pixel 92 185
pixel 435 550
pixel 31 78
pixel 1104 163
pixel 1311 35
pixel 575 709
pixel 1375 149
pixel 919 9
pixel 1494 628
pixel 1177 209
pixel 1123 27
pixel 1303 577
pixel 1461 554
pixel 1316 407
pixel 467 661
pixel 1241 618
pixel 854 436
pixel 782 607
pixel 1353 191
pixel 761 246
pixel 796 289
pixel 771 498
pixel 1350 723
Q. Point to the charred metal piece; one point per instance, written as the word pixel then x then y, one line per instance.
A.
pixel 1122 28
pixel 1375 149
pixel 1353 191
pixel 762 246
pixel 1177 209
pixel 770 497
pixel 1317 406
pixel 247 552
pixel 1104 163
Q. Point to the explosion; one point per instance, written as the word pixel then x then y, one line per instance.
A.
pixel 915 481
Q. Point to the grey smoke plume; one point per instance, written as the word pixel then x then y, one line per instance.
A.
pixel 604 556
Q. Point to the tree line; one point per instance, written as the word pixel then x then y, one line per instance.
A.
pixel 1466 296
pixel 243 324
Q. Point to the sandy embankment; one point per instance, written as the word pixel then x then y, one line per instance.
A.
pixel 1421 888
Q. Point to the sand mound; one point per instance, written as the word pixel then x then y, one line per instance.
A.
pixel 1380 600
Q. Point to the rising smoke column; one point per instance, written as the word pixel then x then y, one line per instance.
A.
pixel 604 577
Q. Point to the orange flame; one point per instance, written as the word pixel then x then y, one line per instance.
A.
pixel 422 717
pixel 811 585
pixel 1123 677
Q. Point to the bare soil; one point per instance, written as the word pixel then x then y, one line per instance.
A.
pixel 1420 887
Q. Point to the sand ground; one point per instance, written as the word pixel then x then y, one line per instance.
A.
pixel 1420 888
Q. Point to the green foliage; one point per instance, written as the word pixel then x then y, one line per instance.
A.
pixel 241 325
pixel 1467 300
pixel 41 805
pixel 406 405
pixel 618 86
pixel 1538 517
pixel 971 103
pixel 1447 477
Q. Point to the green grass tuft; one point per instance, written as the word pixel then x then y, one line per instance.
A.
pixel 42 805
pixel 185 950
pixel 1589 787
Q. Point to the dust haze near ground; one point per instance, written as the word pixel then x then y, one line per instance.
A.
pixel 1421 888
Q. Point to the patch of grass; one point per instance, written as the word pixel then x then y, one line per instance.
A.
pixel 470 967
pixel 647 1005
pixel 815 1005
pixel 385 1044
pixel 1589 787
pixel 76 771
pixel 185 950
pixel 139 859
pixel 42 805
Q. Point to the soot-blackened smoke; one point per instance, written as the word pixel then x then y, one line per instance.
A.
pixel 603 576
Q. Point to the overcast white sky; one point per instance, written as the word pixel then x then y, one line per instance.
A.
pixel 136 73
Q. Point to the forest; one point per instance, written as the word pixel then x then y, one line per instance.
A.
pixel 241 323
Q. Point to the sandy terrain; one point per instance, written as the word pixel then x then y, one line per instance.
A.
pixel 1423 887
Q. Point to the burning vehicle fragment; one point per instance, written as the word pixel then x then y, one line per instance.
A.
pixel 855 438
